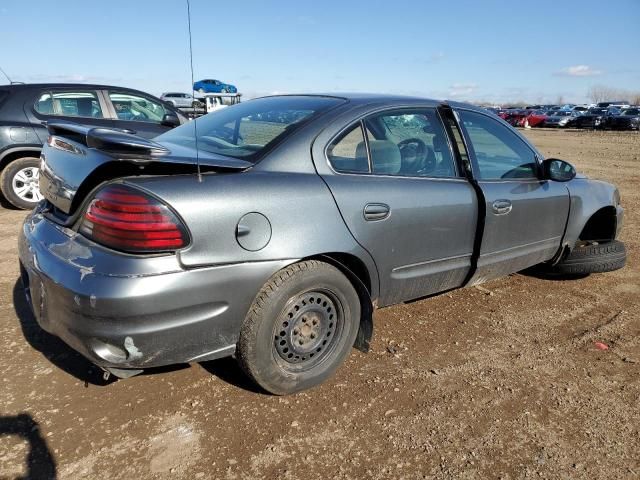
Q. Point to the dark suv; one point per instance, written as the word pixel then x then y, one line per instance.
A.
pixel 24 108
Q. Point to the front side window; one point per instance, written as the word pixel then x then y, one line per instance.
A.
pixel 69 104
pixel 500 154
pixel 409 143
pixel 136 108
pixel 249 129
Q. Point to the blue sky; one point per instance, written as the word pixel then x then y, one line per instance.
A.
pixel 488 50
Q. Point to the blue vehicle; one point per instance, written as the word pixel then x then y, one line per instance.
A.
pixel 214 86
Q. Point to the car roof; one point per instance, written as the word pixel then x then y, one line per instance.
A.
pixel 359 98
pixel 93 86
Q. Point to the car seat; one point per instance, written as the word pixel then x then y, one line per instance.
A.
pixel 385 156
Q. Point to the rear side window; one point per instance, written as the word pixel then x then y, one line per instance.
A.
pixel 69 104
pixel 410 143
pixel 136 108
pixel 348 153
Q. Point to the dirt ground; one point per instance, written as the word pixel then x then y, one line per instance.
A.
pixel 502 381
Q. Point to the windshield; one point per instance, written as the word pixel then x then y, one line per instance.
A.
pixel 631 111
pixel 249 129
pixel 597 111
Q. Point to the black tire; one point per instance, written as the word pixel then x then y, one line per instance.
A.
pixel 604 257
pixel 7 178
pixel 300 328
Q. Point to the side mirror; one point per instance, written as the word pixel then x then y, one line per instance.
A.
pixel 170 120
pixel 558 170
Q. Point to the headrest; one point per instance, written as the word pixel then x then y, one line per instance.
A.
pixel 385 156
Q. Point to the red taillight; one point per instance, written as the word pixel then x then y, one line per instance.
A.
pixel 124 218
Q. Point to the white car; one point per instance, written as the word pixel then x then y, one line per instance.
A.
pixel 179 100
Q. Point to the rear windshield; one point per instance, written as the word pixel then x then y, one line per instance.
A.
pixel 3 95
pixel 248 130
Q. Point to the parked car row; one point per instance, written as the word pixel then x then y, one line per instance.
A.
pixel 613 116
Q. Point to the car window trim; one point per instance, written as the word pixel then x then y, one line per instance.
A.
pixel 475 167
pixel 465 169
pixel 51 91
pixel 360 119
pixel 108 108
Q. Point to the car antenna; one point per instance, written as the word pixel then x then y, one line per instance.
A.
pixel 5 74
pixel 193 94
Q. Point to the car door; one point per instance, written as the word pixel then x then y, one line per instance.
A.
pixel 397 185
pixel 79 105
pixel 140 114
pixel 525 216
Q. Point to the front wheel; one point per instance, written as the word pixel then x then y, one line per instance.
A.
pixel 19 183
pixel 300 328
pixel 596 258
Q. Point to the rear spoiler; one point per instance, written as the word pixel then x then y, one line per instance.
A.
pixel 109 140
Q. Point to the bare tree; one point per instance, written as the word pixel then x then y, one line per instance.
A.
pixel 599 93
pixel 560 100
pixel 603 93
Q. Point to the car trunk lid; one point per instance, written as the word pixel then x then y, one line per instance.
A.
pixel 76 158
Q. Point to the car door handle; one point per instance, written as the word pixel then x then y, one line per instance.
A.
pixel 376 211
pixel 501 207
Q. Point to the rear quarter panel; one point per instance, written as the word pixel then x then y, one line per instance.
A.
pixel 302 214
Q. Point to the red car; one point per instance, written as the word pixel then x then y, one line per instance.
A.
pixel 515 116
pixel 534 118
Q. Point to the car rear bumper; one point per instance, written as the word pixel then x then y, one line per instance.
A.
pixel 128 312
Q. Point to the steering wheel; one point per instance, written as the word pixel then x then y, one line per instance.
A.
pixel 412 150
pixel 415 155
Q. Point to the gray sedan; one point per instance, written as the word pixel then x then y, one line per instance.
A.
pixel 276 231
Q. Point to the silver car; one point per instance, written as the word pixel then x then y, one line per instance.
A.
pixel 180 100
pixel 275 233
pixel 561 118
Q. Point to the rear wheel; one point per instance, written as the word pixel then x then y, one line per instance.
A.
pixel 300 328
pixel 595 258
pixel 19 183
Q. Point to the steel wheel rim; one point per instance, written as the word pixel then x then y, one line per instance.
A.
pixel 308 330
pixel 25 184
